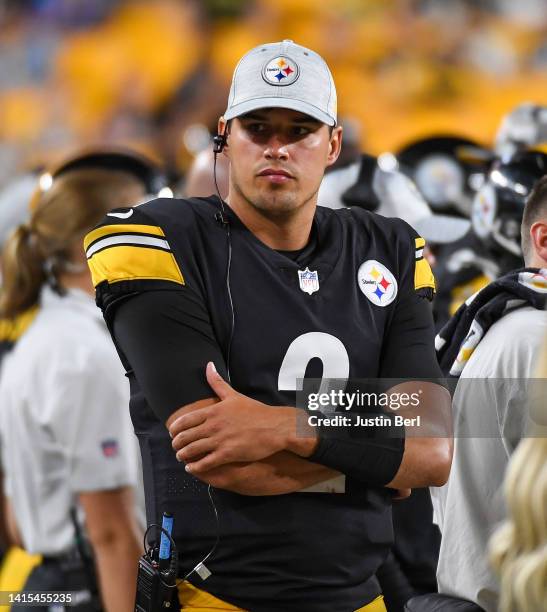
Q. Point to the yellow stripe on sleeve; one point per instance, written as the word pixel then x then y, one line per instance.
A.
pixel 126 262
pixel 423 276
pixel 109 230
pixel 420 242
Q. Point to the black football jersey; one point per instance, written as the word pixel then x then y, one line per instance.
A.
pixel 349 305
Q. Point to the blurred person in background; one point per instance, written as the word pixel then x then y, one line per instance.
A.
pixel 447 170
pixel 374 184
pixel 14 210
pixel 524 127
pixel 518 549
pixel 492 345
pixel 68 448
pixel 498 207
pixel 201 181
pixel 350 184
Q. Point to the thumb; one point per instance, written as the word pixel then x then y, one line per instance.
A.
pixel 399 494
pixel 217 383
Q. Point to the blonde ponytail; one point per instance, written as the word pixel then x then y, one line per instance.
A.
pixel 22 273
pixel 37 252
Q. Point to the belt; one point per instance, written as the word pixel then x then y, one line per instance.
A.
pixel 68 558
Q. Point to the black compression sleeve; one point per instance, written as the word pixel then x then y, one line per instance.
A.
pixel 408 351
pixel 167 339
pixel 374 461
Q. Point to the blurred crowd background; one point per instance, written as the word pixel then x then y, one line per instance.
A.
pixel 155 74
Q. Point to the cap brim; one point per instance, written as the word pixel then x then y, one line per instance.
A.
pixel 278 102
pixel 442 229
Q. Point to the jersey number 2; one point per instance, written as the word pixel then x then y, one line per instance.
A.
pixel 334 357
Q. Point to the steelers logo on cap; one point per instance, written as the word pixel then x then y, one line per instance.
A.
pixel 377 282
pixel 281 70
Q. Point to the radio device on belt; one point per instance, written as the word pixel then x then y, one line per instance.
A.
pixel 156 580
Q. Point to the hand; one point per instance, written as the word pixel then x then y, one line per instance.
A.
pixel 399 494
pixel 235 429
pixel 278 474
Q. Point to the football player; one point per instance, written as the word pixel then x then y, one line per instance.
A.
pixel 266 289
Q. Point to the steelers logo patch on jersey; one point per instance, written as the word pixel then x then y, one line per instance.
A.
pixel 280 70
pixel 130 251
pixel 377 282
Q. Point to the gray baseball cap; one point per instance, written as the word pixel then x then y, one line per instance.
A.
pixel 283 75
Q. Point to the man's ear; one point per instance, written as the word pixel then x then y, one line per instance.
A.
pixel 221 125
pixel 335 145
pixel 538 236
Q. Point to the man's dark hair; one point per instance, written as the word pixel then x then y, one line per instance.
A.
pixel 535 209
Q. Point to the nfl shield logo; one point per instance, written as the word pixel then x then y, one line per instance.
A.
pixel 309 281
pixel 110 448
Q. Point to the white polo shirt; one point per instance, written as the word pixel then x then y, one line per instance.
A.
pixel 469 508
pixel 64 419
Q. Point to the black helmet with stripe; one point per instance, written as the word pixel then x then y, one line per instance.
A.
pixel 498 206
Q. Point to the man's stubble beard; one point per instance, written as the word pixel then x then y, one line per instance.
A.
pixel 277 204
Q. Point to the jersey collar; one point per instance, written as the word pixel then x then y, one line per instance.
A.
pixel 322 251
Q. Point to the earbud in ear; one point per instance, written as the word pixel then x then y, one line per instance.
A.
pixel 219 142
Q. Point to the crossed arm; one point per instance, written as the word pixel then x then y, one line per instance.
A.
pixel 234 442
